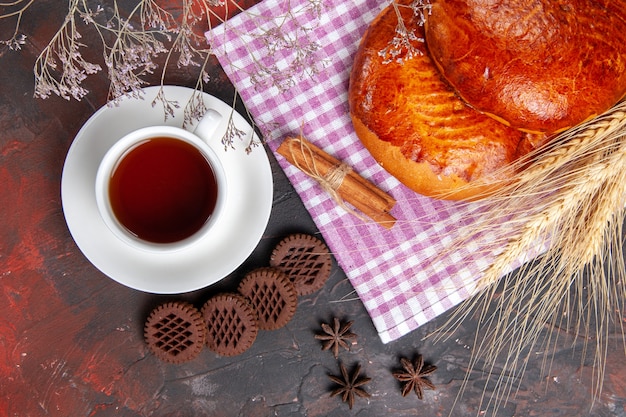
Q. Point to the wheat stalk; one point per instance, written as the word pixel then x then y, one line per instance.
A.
pixel 571 199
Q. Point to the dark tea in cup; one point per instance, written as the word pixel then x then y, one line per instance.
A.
pixel 163 190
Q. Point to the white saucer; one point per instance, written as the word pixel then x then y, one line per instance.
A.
pixel 228 244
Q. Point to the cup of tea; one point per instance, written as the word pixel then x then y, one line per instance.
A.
pixel 162 188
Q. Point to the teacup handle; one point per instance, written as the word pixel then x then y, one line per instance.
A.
pixel 207 126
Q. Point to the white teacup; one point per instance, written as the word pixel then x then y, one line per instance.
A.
pixel 162 188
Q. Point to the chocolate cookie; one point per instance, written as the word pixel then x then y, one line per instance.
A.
pixel 175 332
pixel 272 295
pixel 231 324
pixel 305 259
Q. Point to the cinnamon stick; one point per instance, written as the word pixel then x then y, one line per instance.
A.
pixel 353 189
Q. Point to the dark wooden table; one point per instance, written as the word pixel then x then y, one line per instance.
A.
pixel 71 339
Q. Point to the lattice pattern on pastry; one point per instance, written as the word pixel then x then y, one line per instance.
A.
pixel 175 332
pixel 226 327
pixel 273 296
pixel 305 260
pixel 231 324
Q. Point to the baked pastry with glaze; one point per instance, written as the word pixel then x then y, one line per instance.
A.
pixel 540 65
pixel 414 124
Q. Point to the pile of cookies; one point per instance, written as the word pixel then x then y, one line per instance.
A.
pixel 228 323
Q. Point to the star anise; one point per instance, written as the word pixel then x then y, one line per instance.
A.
pixel 350 386
pixel 337 336
pixel 414 376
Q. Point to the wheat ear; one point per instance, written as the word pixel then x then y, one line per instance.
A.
pixel 569 200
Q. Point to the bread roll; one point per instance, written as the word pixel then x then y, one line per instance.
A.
pixel 415 126
pixel 537 65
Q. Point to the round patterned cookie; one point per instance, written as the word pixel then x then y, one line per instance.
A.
pixel 175 332
pixel 305 259
pixel 231 324
pixel 272 295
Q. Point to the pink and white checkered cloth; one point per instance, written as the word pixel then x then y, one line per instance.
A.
pixel 291 61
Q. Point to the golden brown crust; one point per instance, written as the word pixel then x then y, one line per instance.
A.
pixel 418 176
pixel 542 65
pixel 415 126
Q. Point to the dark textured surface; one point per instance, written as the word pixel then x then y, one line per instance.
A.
pixel 71 340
